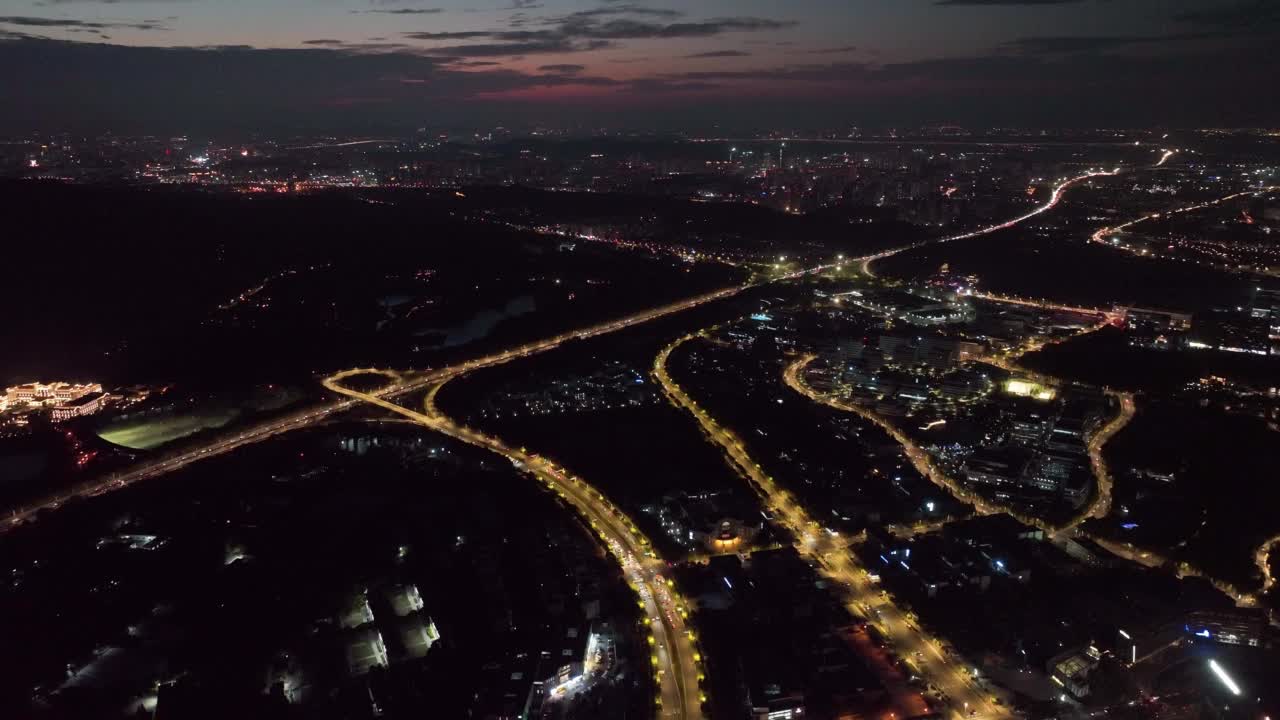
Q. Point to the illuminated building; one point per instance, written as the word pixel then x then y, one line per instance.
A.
pixel 40 395
pixel 1150 318
pixel 63 397
pixel 999 466
pixel 79 407
pixel 1071 669
pixel 727 537
pixel 1026 388
pixel 1231 626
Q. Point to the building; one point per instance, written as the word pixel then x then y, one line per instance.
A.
pixel 1230 626
pixel 1153 319
pixel 1071 669
pixel 79 407
pixel 38 394
pixel 999 466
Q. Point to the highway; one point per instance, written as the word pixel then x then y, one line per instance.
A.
pixel 675 657
pixel 322 412
pixel 1054 198
pixel 1043 304
pixel 1103 234
pixel 946 671
pixel 116 481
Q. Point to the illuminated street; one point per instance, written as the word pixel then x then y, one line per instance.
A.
pixel 792 376
pixel 1054 198
pixel 936 664
pixel 324 412
pixel 1108 235
pixel 675 657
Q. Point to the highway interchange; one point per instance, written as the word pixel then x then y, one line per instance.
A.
pixel 675 657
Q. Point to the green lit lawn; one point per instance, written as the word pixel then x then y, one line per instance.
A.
pixel 151 433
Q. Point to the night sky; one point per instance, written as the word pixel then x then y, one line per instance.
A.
pixel 218 65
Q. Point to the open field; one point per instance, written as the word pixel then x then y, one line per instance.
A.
pixel 154 432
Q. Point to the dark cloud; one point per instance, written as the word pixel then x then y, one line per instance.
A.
pixel 719 54
pixel 1121 80
pixel 1250 15
pixel 525 47
pixel 619 8
pixel 562 68
pixel 1006 2
pixel 48 3
pixel 98 86
pixel 1072 44
pixel 399 11
pixel 654 86
pixel 832 50
pixel 819 73
pixel 64 23
pixel 586 30
pixel 463 35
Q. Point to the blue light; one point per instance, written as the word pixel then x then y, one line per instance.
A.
pixel 1129 526
pixel 1204 634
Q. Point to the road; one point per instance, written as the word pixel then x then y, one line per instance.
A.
pixel 1100 504
pixel 1263 559
pixel 945 671
pixel 1102 235
pixel 793 377
pixel 1103 480
pixel 1043 304
pixel 675 656
pixel 920 459
pixel 1054 198
pixel 319 413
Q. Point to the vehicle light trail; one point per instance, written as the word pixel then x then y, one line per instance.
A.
pixel 1054 198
